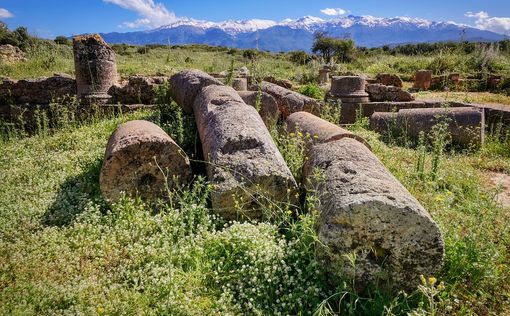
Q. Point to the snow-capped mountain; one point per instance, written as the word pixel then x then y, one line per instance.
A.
pixel 298 34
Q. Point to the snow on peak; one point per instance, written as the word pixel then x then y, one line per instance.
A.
pixel 310 23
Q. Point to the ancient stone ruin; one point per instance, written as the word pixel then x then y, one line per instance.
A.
pixel 289 101
pixel 96 68
pixel 268 111
pixel 243 162
pixel 142 160
pixel 466 125
pixel 363 209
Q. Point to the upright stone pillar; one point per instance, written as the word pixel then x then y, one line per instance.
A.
pixel 96 68
pixel 351 91
pixel 423 79
pixel 324 75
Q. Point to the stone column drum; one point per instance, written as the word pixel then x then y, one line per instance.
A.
pixel 290 101
pixel 244 164
pixel 186 85
pixel 142 160
pixel 466 125
pixel 422 79
pixel 319 130
pixel 95 67
pixel 324 75
pixel 364 210
pixel 268 111
pixel 351 91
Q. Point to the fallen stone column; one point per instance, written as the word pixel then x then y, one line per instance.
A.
pixel 466 125
pixel 268 107
pixel 186 85
pixel 382 122
pixel 320 131
pixel 363 209
pixel 244 164
pixel 290 101
pixel 95 67
pixel 142 160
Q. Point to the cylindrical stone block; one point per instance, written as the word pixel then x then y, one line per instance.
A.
pixel 364 210
pixel 349 89
pixel 95 67
pixel 186 85
pixel 240 84
pixel 423 79
pixel 268 107
pixel 319 130
pixel 244 164
pixel 142 160
pixel 324 75
pixel 382 122
pixel 289 101
pixel 466 125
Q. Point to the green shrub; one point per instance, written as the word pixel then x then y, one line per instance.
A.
pixel 312 90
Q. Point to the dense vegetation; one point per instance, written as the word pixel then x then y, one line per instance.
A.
pixel 63 250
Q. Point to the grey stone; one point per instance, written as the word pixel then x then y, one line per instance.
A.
pixel 186 85
pixel 349 89
pixel 142 160
pixel 95 67
pixel 364 210
pixel 240 84
pixel 319 130
pixel 268 107
pixel 289 101
pixel 466 125
pixel 381 93
pixel 244 164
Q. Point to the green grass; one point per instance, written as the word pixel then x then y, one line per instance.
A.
pixel 64 251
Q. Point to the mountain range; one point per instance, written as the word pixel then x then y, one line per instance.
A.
pixel 298 34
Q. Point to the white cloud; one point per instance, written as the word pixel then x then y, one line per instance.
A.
pixel 333 11
pixel 483 21
pixel 152 14
pixel 5 14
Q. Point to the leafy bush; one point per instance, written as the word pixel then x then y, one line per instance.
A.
pixel 62 40
pixel 312 90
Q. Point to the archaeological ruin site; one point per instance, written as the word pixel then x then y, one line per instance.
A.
pixel 243 182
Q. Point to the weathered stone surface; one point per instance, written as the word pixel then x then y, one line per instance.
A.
pixel 390 80
pixel 320 131
pixel 136 90
pixel 186 85
pixel 244 163
pixel 11 54
pixel 142 160
pixel 37 91
pixel 268 107
pixel 324 75
pixel 349 89
pixel 95 66
pixel 466 125
pixel 290 101
pixel 380 93
pixel 363 209
pixel 284 83
pixel 240 84
pixel 349 112
pixel 422 79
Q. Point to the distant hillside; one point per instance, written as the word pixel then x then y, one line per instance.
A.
pixel 298 34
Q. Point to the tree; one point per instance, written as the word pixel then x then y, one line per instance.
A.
pixel 61 40
pixel 328 47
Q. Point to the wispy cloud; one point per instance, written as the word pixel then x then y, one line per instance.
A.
pixel 152 14
pixel 334 11
pixel 495 24
pixel 5 14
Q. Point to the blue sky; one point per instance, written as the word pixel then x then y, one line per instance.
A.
pixel 49 18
